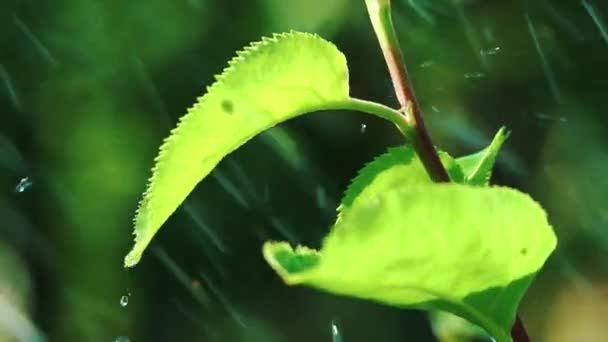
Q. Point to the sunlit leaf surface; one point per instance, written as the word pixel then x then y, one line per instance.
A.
pixel 398 166
pixel 269 82
pixel 472 251
pixel 478 167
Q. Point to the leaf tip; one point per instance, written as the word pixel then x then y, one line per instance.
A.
pixel 289 263
pixel 132 258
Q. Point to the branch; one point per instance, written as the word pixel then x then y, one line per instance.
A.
pixel 380 15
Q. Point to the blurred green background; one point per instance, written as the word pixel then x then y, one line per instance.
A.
pixel 89 88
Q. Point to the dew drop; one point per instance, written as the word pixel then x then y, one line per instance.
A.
pixel 24 184
pixel 363 128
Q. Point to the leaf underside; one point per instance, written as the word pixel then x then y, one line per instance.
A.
pixel 267 83
pixel 469 250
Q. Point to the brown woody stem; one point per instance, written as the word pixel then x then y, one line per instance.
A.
pixel 380 15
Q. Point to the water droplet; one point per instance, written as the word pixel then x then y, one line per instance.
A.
pixel 474 75
pixel 427 64
pixel 336 336
pixel 122 339
pixel 124 300
pixel 435 109
pixel 24 184
pixel 489 52
pixel 363 128
pixel 131 260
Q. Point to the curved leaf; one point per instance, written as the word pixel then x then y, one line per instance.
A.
pixel 269 82
pixel 398 166
pixel 478 167
pixel 469 250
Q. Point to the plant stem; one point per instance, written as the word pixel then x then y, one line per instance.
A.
pixel 380 15
pixel 378 110
pixel 518 331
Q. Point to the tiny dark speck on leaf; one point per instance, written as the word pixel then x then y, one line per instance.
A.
pixel 523 251
pixel 227 106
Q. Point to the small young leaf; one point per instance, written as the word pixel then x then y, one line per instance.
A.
pixel 398 166
pixel 478 167
pixel 469 250
pixel 269 82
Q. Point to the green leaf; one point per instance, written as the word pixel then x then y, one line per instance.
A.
pixel 468 250
pixel 398 166
pixel 478 167
pixel 269 82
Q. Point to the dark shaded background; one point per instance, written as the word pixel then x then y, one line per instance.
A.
pixel 89 88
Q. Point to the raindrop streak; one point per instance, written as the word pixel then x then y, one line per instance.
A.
pixel 44 52
pixel 597 19
pixel 321 197
pixel 284 230
pixel 427 64
pixel 562 21
pixel 148 84
pixel 545 63
pixel 422 12
pixel 10 88
pixel 363 128
pixel 470 33
pixel 230 187
pixel 228 305
pixel 198 293
pixel 336 336
pixel 543 116
pixel 203 226
pixel 24 184
pixel 474 75
pixel 489 52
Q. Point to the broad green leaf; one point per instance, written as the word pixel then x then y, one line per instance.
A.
pixel 478 167
pixel 398 166
pixel 269 82
pixel 468 250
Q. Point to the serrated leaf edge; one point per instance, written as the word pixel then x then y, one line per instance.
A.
pixel 144 205
pixel 499 138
